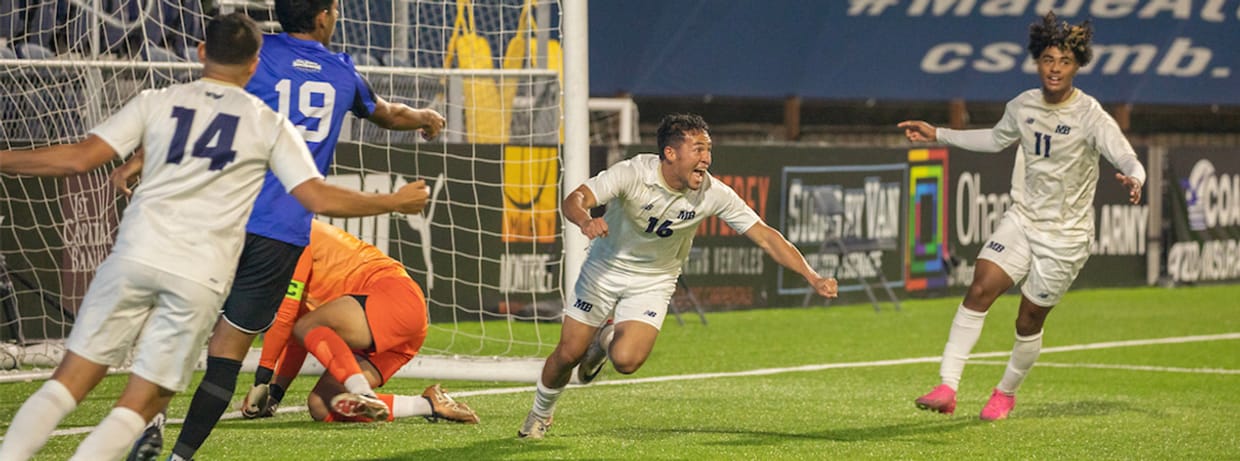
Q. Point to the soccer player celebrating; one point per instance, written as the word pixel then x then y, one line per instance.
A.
pixel 348 298
pixel 1044 236
pixel 654 206
pixel 314 87
pixel 162 285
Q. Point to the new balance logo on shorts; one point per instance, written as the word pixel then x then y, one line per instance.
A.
pixel 998 247
pixel 584 306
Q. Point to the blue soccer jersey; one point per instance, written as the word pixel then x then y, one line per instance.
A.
pixel 313 87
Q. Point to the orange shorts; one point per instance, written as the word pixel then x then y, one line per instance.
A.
pixel 396 313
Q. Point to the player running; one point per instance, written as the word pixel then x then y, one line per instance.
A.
pixel 315 88
pixel 210 144
pixel 654 206
pixel 1044 236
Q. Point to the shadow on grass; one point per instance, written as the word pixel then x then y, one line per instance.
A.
pixel 1081 408
pixel 548 448
pixel 501 448
pixel 843 434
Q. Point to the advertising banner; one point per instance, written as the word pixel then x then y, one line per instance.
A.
pixel 1204 203
pixel 1145 51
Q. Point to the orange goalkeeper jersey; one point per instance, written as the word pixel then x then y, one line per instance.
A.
pixel 336 264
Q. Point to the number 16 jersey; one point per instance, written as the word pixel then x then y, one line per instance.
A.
pixel 314 88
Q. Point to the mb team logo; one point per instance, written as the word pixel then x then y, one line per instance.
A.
pixel 1212 200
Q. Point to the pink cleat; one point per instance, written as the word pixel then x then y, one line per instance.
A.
pixel 998 406
pixel 942 399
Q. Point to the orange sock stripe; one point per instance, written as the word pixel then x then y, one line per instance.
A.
pixel 390 401
pixel 332 352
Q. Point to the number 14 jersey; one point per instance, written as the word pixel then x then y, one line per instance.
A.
pixel 208 144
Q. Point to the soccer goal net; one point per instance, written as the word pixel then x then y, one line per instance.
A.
pixel 488 250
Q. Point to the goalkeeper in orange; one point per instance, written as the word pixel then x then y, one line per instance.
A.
pixel 362 316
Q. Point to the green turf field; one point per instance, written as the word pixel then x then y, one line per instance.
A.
pixel 1102 390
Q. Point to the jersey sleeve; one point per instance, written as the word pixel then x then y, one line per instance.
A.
pixel 739 216
pixel 1110 141
pixel 612 182
pixel 124 129
pixel 290 159
pixel 1003 134
pixel 363 97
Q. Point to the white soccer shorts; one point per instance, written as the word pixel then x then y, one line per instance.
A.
pixel 174 316
pixel 603 290
pixel 1050 263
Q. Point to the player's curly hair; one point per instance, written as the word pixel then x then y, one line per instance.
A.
pixel 1064 36
pixel 298 15
pixel 673 127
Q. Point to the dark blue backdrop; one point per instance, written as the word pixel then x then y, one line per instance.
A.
pixel 905 49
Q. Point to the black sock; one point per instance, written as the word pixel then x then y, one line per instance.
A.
pixel 276 392
pixel 209 403
pixel 263 375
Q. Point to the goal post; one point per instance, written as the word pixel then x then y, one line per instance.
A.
pixel 490 251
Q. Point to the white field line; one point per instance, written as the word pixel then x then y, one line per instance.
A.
pixel 829 366
pixel 1104 366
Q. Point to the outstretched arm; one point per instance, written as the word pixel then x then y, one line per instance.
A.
pixel 918 131
pixel 782 251
pixel 320 197
pixel 60 159
pixel 981 140
pixel 401 117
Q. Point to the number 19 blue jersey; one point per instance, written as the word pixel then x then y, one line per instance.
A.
pixel 314 88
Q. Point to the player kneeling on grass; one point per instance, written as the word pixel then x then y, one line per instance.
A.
pixel 655 204
pixel 348 301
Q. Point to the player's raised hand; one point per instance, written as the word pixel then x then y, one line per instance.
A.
pixel 826 287
pixel 595 227
pixel 918 131
pixel 1133 186
pixel 413 197
pixel 432 123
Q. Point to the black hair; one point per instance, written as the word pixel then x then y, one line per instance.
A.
pixel 1047 33
pixel 674 127
pixel 298 15
pixel 232 39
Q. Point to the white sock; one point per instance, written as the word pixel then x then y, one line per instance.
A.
pixel 544 400
pixel 36 419
pixel 113 437
pixel 1024 353
pixel 605 341
pixel 358 384
pixel 410 405
pixel 966 328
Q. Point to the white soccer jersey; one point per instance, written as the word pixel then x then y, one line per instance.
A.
pixel 1056 170
pixel 650 226
pixel 208 145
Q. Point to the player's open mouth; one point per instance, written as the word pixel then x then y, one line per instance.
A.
pixel 699 173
